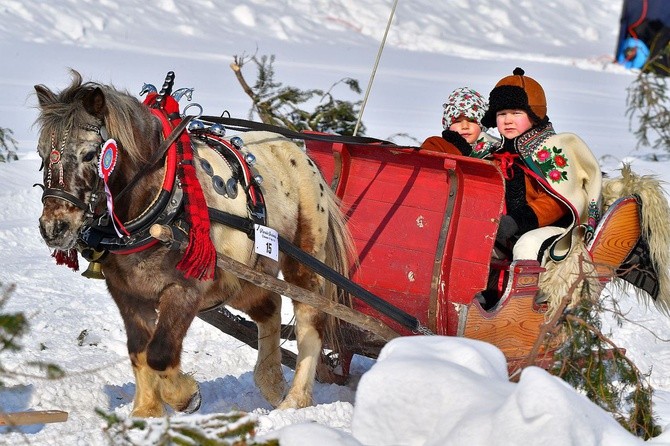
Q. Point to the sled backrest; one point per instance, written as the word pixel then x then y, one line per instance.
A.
pixel 423 222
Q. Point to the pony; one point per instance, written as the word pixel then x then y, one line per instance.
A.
pixel 102 193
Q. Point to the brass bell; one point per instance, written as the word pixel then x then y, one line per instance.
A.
pixel 94 271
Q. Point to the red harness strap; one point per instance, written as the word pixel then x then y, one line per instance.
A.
pixel 199 260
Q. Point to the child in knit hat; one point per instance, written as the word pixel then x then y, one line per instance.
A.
pixel 461 121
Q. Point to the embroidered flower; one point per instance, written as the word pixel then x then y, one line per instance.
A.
pixel 543 155
pixel 555 175
pixel 552 163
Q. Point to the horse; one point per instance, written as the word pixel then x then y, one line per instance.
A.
pixel 102 192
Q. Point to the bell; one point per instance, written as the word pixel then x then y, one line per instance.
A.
pixel 196 125
pixel 250 159
pixel 94 271
pixel 217 129
pixel 237 142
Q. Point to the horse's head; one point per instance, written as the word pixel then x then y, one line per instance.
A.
pixel 71 134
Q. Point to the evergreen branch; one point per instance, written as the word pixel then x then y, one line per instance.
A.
pixel 285 106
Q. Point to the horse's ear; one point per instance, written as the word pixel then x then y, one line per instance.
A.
pixel 44 95
pixel 94 103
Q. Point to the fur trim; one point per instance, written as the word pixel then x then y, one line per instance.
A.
pixel 510 97
pixel 558 279
pixel 655 228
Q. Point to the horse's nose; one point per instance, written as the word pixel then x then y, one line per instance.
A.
pixel 51 230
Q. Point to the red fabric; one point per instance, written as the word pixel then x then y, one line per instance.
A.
pixel 506 161
pixel 199 259
pixel 69 258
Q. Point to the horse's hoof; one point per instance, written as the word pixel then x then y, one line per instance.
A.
pixel 194 402
pixel 291 402
pixel 148 412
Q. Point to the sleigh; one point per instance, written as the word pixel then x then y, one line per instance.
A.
pixel 236 211
pixel 424 225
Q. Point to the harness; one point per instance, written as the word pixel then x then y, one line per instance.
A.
pixel 99 235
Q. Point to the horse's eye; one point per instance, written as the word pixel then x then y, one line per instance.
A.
pixel 89 156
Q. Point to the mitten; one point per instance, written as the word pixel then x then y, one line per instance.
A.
pixel 458 141
pixel 506 229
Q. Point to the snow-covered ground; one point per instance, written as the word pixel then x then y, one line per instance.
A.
pixel 431 391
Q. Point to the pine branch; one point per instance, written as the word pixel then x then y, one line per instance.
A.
pixel 648 101
pixel 286 106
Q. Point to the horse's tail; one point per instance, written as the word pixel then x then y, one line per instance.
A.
pixel 340 255
pixel 655 214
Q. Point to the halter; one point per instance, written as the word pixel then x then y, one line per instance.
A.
pixel 97 231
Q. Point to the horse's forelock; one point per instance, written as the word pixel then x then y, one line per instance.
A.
pixel 60 111
pixel 125 118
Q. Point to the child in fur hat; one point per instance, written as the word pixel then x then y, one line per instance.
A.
pixel 552 181
pixel 461 121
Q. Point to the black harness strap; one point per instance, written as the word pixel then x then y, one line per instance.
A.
pixel 246 125
pixel 62 195
pixel 247 226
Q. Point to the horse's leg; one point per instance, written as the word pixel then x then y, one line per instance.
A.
pixel 176 310
pixel 310 324
pixel 139 318
pixel 148 402
pixel 267 372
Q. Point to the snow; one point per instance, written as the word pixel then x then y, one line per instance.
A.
pixel 421 391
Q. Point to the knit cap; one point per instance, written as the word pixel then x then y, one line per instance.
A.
pixel 463 101
pixel 516 92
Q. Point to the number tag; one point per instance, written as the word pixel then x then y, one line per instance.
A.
pixel 267 242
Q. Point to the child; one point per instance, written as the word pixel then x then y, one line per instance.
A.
pixel 552 181
pixel 461 121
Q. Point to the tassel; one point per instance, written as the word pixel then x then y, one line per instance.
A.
pixel 199 259
pixel 70 258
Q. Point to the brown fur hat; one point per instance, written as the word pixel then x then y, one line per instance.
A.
pixel 517 92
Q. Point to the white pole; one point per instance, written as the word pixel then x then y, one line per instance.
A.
pixel 374 69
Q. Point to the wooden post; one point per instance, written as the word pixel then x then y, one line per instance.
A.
pixel 375 326
pixel 32 417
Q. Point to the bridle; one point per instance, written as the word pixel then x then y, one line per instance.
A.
pixel 56 167
pixel 97 231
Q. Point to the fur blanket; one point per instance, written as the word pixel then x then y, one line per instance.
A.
pixel 556 282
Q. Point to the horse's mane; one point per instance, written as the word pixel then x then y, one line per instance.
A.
pixel 124 116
